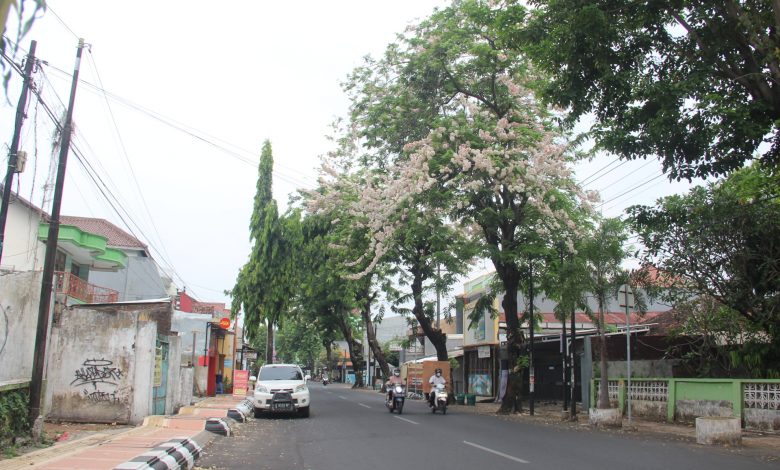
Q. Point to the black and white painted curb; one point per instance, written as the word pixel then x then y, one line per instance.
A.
pixel 218 426
pixel 174 454
pixel 241 411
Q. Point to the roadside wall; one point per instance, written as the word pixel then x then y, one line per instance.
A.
pixel 101 363
pixel 19 298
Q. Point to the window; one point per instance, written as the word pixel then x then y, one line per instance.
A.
pixel 280 373
pixel 59 261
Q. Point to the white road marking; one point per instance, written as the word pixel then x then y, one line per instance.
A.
pixel 407 420
pixel 342 397
pixel 496 452
pixel 364 406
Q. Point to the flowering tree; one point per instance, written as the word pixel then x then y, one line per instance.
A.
pixel 492 156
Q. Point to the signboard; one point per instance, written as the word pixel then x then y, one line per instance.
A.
pixel 240 382
pixel 158 359
pixel 224 323
pixel 228 362
pixel 250 355
pixel 483 352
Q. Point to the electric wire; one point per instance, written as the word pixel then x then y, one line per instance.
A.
pixel 104 189
pixel 126 157
pixel 215 142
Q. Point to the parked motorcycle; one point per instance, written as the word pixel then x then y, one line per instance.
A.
pixel 439 399
pixel 396 399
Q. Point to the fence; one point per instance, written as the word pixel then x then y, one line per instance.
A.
pixel 755 402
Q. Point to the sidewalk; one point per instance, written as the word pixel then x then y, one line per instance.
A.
pixel 170 438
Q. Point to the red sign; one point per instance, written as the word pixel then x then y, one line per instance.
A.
pixel 240 382
pixel 224 323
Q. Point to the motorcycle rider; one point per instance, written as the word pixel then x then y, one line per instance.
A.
pixel 393 380
pixel 436 379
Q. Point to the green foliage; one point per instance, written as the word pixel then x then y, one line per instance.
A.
pixel 720 241
pixel 692 82
pixel 265 284
pixel 298 341
pixel 25 18
pixel 13 414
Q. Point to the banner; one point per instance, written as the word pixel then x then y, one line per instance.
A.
pixel 240 382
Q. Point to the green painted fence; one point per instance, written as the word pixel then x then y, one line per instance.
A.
pixel 754 395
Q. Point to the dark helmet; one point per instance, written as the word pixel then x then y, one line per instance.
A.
pixel 438 371
pixel 396 372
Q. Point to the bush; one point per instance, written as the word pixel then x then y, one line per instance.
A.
pixel 13 415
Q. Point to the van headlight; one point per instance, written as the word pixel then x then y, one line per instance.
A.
pixel 300 388
pixel 262 389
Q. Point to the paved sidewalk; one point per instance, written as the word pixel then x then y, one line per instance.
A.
pixel 107 450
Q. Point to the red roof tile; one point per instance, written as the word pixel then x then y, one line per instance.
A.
pixel 115 235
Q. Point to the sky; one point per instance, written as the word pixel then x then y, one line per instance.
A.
pixel 176 98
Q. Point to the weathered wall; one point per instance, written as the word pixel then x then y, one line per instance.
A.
pixel 101 362
pixel 91 366
pixel 140 280
pixel 22 251
pixel 765 420
pixel 184 396
pixel 146 341
pixel 19 297
pixel 174 369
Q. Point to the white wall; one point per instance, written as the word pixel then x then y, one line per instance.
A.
pixel 100 365
pixel 22 251
pixel 19 298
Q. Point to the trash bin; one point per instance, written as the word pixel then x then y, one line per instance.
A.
pixel 460 398
pixel 471 399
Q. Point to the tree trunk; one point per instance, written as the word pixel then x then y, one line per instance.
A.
pixel 355 351
pixel 512 402
pixel 329 357
pixel 376 348
pixel 435 335
pixel 269 343
pixel 603 380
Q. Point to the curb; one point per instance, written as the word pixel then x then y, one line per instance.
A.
pixel 174 454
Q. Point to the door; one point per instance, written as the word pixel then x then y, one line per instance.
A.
pixel 160 381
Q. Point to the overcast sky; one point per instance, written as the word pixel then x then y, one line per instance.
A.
pixel 192 88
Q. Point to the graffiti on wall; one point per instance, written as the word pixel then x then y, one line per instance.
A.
pixel 101 375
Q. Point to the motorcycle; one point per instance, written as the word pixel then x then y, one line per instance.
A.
pixel 440 398
pixel 397 397
pixel 325 381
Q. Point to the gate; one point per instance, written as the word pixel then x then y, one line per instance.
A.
pixel 160 381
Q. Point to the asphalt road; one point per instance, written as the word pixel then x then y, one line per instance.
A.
pixel 351 429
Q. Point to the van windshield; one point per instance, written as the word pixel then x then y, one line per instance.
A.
pixel 280 373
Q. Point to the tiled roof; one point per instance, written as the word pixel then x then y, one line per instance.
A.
pixel 115 235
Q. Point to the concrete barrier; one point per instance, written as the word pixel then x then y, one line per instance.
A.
pixel 719 430
pixel 174 454
pixel 605 418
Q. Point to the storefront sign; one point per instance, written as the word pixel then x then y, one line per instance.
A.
pixel 240 382
pixel 483 351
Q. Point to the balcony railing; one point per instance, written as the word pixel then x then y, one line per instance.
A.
pixel 80 289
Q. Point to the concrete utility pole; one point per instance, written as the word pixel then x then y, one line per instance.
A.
pixel 39 357
pixel 13 151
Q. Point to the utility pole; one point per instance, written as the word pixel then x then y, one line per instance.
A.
pixel 36 384
pixel 531 376
pixel 573 366
pixel 13 151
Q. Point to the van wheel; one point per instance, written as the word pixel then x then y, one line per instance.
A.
pixel 258 412
pixel 303 412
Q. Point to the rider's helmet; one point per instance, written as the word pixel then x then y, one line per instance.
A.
pixel 396 372
pixel 438 372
